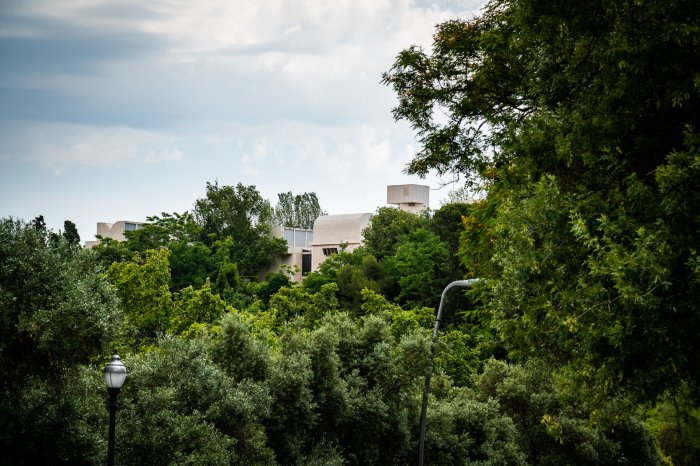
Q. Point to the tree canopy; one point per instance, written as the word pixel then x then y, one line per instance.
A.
pixel 297 211
pixel 239 212
pixel 579 122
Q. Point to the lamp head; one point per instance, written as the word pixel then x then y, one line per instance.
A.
pixel 115 372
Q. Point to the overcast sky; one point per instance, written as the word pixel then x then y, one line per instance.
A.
pixel 120 109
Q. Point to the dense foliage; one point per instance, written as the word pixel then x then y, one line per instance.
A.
pixel 578 120
pixel 577 123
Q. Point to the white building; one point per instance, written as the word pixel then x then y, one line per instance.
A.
pixel 114 230
pixel 298 255
pixel 410 197
pixel 333 233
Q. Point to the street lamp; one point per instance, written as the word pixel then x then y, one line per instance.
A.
pixel 115 374
pixel 426 390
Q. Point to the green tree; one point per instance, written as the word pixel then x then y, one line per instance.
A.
pixel 577 120
pixel 418 266
pixel 555 427
pixel 39 223
pixel 70 233
pixel 273 282
pixel 241 213
pixel 143 287
pixel 191 261
pixel 178 407
pixel 386 228
pixel 291 302
pixel 192 306
pixel 448 224
pixel 297 211
pixel 57 312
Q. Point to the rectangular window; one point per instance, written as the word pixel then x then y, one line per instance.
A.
pixel 305 264
pixel 289 236
pixel 329 251
pixel 130 226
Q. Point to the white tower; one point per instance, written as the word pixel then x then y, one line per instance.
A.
pixel 410 197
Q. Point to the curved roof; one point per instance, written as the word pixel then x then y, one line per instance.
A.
pixel 337 229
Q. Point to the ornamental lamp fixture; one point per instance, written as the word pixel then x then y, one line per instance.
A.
pixel 115 375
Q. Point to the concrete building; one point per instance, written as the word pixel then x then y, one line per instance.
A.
pixel 298 254
pixel 114 230
pixel 333 233
pixel 410 197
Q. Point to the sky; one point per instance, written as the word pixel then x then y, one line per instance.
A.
pixel 122 109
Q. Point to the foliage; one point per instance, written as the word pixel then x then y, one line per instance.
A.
pixel 555 426
pixel 676 424
pixel 352 272
pixel 284 385
pixel 192 306
pixel 48 291
pixel 298 211
pixel 143 287
pixel 177 407
pixel 463 431
pixel 291 302
pixel 385 229
pixel 271 285
pixel 418 266
pixel 241 213
pixel 578 122
pixel 56 313
pixel 239 351
pixel 70 233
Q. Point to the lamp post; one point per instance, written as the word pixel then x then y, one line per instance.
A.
pixel 115 374
pixel 426 389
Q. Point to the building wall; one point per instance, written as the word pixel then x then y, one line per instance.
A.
pixel 298 245
pixel 114 230
pixel 333 231
pixel 410 197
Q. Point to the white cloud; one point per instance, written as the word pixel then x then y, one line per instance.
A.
pixel 240 59
pixel 63 147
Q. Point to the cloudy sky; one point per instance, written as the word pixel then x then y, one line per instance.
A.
pixel 119 109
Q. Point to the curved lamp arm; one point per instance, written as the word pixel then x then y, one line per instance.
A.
pixel 426 390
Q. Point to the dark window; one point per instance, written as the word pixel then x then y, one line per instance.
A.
pixel 329 251
pixel 305 263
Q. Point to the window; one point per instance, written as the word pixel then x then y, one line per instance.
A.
pixel 131 226
pixel 305 264
pixel 289 236
pixel 329 251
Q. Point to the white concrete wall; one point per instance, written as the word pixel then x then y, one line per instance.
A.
pixel 409 197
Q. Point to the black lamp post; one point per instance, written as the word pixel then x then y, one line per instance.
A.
pixel 115 374
pixel 426 389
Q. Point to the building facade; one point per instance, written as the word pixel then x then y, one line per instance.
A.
pixel 114 231
pixel 409 197
pixel 334 233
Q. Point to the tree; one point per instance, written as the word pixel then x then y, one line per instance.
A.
pixel 204 418
pixel 578 121
pixel 70 233
pixel 298 211
pixel 39 223
pixel 555 427
pixel 57 312
pixel 241 213
pixel 193 307
pixel 143 286
pixel 418 266
pixel 386 228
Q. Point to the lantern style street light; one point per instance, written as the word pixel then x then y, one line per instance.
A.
pixel 115 374
pixel 426 389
